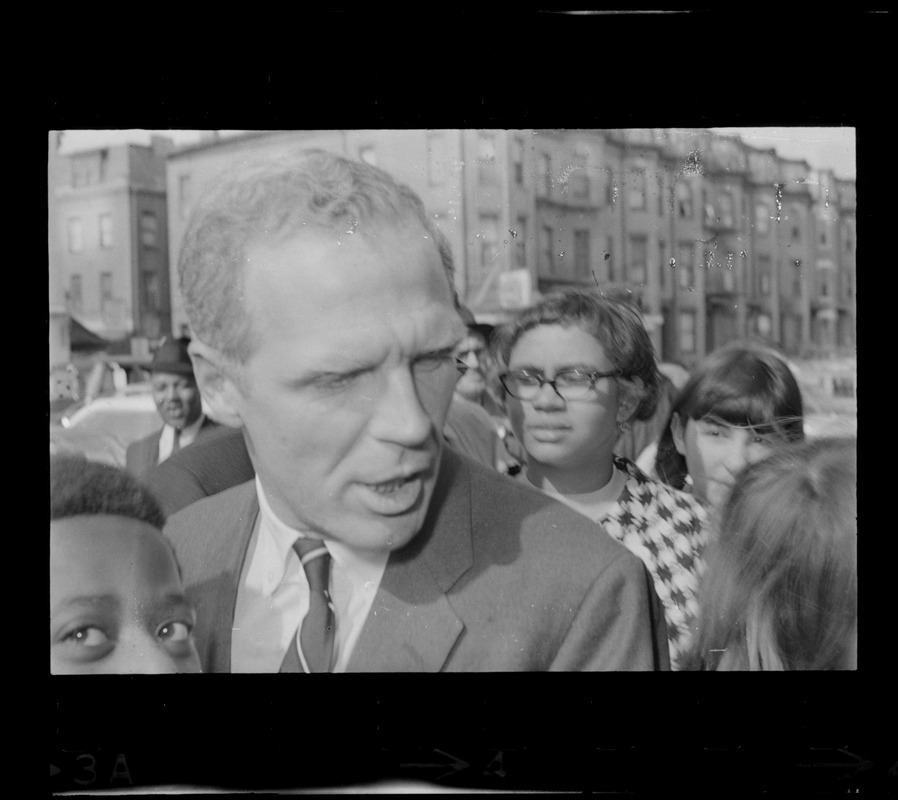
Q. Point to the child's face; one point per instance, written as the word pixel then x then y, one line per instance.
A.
pixel 116 601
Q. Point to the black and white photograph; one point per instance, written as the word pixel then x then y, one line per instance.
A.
pixel 482 398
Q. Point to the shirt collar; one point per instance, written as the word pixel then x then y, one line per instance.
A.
pixel 276 540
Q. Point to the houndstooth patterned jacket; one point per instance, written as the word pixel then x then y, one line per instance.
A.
pixel 668 530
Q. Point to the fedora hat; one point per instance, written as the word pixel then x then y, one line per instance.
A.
pixel 171 356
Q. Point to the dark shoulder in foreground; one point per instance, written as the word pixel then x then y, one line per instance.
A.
pixel 503 508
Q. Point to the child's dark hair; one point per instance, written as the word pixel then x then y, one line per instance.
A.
pixel 742 385
pixel 79 486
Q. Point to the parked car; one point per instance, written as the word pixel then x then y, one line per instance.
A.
pixel 102 428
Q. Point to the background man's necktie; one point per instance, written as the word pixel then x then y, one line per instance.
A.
pixel 176 441
pixel 312 648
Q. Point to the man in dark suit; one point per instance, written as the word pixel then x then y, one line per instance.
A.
pixel 321 297
pixel 179 403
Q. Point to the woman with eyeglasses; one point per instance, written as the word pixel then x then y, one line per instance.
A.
pixel 577 368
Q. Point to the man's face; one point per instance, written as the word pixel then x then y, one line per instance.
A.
pixel 177 397
pixel 116 601
pixel 472 352
pixel 344 397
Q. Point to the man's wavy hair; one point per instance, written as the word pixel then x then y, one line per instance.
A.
pixel 780 589
pixel 615 325
pixel 744 385
pixel 277 195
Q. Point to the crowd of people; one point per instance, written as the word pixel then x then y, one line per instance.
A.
pixel 352 474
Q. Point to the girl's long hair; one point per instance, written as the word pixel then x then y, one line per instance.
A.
pixel 744 385
pixel 780 590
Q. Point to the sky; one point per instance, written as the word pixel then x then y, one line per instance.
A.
pixel 823 148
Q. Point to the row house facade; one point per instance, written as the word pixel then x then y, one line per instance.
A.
pixel 109 248
pixel 712 239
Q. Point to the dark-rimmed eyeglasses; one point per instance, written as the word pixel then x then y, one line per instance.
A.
pixel 569 384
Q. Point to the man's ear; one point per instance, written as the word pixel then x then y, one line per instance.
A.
pixel 678 431
pixel 217 385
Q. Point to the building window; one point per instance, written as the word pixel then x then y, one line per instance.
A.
pixel 184 195
pixel 636 193
pixel 152 294
pixel 765 283
pixel 518 163
pixel 824 237
pixel 684 200
pixel 76 298
pixel 105 230
pixel 847 238
pixel 76 239
pixel 764 268
pixel 436 159
pixel 105 288
pixel 686 265
pixel 547 174
pixel 686 330
pixel 824 285
pixel 796 233
pixel 521 242
pixel 579 180
pixel 638 259
pixel 487 173
pixel 367 154
pixel 149 229
pixel 581 253
pixel 489 238
pixel 546 247
pixel 610 190
pixel 725 210
pixel 762 219
pixel 609 258
pixel 663 281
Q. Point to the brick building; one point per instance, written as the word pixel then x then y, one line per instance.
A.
pixel 713 239
pixel 109 249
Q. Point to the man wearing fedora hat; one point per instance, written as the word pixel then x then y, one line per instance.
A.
pixel 179 403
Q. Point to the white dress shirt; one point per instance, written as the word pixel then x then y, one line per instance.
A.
pixel 188 434
pixel 273 594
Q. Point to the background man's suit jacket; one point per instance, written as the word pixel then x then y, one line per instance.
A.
pixel 142 455
pixel 500 578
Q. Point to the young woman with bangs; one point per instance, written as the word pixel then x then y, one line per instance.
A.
pixel 738 406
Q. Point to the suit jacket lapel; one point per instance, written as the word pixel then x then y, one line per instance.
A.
pixel 225 557
pixel 412 625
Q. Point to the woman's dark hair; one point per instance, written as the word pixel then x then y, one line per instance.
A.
pixel 613 324
pixel 743 385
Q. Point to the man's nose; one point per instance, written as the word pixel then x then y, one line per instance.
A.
pixel 400 417
pixel 471 359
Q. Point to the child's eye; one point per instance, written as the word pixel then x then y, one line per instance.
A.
pixel 87 636
pixel 175 631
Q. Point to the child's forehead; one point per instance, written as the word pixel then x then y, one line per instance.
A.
pixel 97 550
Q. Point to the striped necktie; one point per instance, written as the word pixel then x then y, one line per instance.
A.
pixel 312 647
